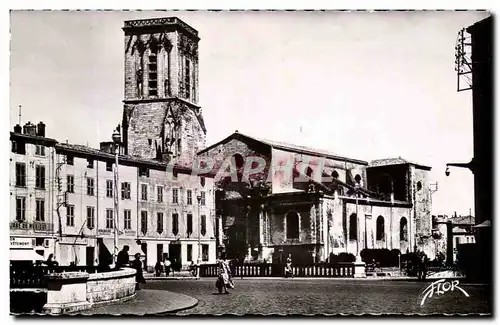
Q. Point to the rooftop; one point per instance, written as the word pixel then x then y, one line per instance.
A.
pixel 287 147
pixel 396 161
pixel 159 22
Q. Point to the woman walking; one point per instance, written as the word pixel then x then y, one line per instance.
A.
pixel 222 282
pixel 288 267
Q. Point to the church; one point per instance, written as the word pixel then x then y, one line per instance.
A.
pixel 329 204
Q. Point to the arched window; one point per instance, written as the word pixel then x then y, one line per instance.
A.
pixel 403 229
pixel 380 228
pixel 335 174
pixel 292 225
pixel 309 172
pixel 238 160
pixel 353 227
pixel 419 186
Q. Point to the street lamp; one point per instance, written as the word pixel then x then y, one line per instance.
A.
pixel 116 140
pixel 358 255
pixel 198 197
pixel 472 166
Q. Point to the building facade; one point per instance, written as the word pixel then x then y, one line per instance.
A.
pixel 63 198
pixel 279 199
pixel 62 202
pixel 33 194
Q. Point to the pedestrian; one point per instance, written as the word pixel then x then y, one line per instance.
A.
pixel 421 266
pixel 222 282
pixel 158 268
pixel 425 260
pixel 167 265
pixel 51 261
pixel 192 268
pixel 123 258
pixel 288 267
pixel 137 265
pixel 229 273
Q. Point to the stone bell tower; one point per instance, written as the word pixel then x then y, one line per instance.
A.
pixel 161 116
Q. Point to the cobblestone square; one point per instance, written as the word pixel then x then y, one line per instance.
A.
pixel 331 297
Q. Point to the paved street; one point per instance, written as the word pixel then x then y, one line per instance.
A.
pixel 331 296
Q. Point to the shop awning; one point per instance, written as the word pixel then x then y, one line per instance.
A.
pixel 25 255
pixel 132 244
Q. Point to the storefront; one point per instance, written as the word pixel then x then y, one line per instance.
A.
pixel 23 249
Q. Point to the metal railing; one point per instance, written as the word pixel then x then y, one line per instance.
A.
pixel 277 270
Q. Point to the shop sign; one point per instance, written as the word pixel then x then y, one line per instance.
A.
pixel 21 242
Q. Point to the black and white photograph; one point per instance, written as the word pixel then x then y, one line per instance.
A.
pixel 251 162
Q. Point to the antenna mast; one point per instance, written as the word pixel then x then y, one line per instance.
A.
pixel 463 61
pixel 20 114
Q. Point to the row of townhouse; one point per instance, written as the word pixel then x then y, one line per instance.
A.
pixel 62 202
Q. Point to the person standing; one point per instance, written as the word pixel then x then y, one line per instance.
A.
pixel 167 265
pixel 137 265
pixel 288 267
pixel 123 258
pixel 51 261
pixel 158 268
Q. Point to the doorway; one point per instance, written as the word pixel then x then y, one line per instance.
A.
pixel 174 253
pixel 159 252
pixel 89 256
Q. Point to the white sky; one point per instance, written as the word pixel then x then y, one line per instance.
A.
pixel 363 85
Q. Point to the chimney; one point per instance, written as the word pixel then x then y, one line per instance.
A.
pixel 41 129
pixel 29 129
pixel 18 129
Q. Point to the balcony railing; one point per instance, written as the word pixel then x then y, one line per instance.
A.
pixel 345 270
pixel 43 226
pixel 21 225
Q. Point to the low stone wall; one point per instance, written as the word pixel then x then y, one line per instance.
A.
pixel 74 291
pixel 110 286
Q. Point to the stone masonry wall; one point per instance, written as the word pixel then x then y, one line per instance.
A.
pixel 422 202
pixel 103 287
pixel 146 122
pixel 220 153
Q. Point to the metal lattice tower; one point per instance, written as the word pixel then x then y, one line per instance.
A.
pixel 463 61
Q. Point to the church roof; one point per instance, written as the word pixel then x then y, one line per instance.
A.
pixel 286 147
pixel 396 161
